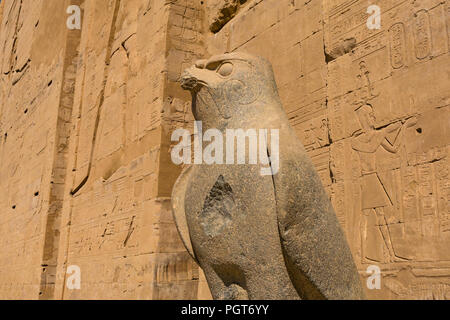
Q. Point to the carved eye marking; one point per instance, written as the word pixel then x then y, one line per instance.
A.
pixel 225 69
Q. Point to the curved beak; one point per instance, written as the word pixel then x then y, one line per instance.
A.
pixel 188 81
pixel 194 76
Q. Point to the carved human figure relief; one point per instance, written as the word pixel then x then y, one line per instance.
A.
pixel 375 198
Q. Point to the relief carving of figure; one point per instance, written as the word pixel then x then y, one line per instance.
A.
pixel 375 198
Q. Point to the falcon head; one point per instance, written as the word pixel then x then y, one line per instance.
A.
pixel 229 85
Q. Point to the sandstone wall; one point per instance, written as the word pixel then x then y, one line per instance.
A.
pixel 86 117
pixel 35 66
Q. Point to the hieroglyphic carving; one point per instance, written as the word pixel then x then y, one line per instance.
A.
pixel 422 36
pixel 366 83
pixel 368 45
pixel 397 41
pixel 410 202
pixel 350 21
pixel 443 191
pixel 427 200
pixel 447 19
pixel 316 134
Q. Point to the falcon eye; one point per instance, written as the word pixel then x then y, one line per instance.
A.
pixel 225 69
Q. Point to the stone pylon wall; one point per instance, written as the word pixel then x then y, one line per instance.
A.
pixel 86 117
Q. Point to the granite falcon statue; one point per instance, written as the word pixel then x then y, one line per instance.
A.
pixel 258 236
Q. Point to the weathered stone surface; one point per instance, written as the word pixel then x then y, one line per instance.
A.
pixel 129 56
pixel 271 236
